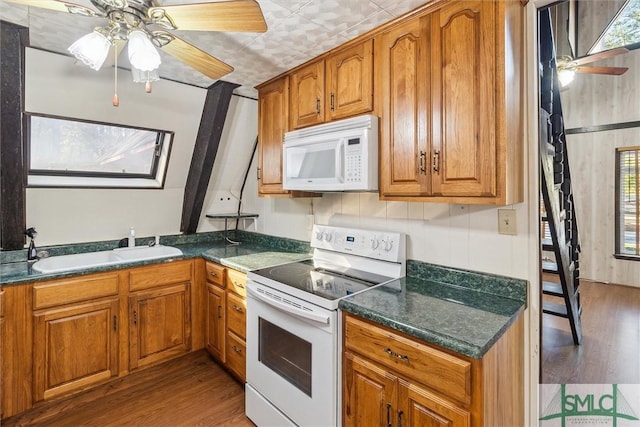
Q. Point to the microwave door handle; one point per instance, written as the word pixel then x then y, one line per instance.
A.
pixel 289 308
pixel 340 150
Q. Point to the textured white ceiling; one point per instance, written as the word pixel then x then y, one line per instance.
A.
pixel 298 30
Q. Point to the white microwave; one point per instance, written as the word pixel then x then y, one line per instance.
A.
pixel 336 156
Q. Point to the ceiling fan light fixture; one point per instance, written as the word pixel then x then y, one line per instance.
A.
pixel 92 49
pixel 143 55
pixel 566 76
pixel 145 77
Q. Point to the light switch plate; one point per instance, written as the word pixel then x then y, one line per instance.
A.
pixel 507 221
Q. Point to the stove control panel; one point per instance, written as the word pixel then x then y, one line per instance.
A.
pixel 384 245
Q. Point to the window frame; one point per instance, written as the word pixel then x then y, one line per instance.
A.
pixel 617 250
pixel 631 46
pixel 155 179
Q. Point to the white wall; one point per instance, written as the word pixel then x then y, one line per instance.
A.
pixel 56 85
pixel 596 100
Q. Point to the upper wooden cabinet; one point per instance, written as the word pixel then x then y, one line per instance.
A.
pixel 451 121
pixel 338 86
pixel 306 100
pixel 273 114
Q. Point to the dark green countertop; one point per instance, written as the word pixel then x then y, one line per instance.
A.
pixel 459 318
pixel 246 256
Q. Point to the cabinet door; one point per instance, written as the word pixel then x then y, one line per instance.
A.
pixel 307 96
pixel 236 356
pixel 237 314
pixel 74 347
pixel 160 325
pixel 350 81
pixel 273 113
pixel 418 407
pixel 215 324
pixel 404 133
pixel 463 78
pixel 368 395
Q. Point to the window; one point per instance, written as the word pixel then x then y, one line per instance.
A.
pixel 628 202
pixel 65 152
pixel 622 31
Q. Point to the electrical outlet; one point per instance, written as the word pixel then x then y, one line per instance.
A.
pixel 507 221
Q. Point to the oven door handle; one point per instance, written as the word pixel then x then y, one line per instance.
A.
pixel 320 318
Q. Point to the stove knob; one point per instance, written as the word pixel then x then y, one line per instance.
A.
pixel 375 243
pixel 388 244
pixel 319 235
pixel 328 237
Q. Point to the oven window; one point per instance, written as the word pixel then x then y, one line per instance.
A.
pixel 286 354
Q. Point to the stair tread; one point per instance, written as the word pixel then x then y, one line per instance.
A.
pixel 549 267
pixel 550 288
pixel 554 309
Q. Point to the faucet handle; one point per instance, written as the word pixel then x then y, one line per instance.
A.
pixel 123 243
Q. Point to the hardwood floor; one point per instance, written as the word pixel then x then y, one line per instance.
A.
pixel 611 339
pixel 189 391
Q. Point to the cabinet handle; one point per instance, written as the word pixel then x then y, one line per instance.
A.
pixel 332 99
pixel 402 357
pixel 388 414
pixel 219 312
pixel 317 105
pixel 436 161
pixel 400 413
pixel 258 174
pixel 115 323
pixel 213 273
pixel 135 317
pixel 240 285
pixel 236 308
pixel 236 349
pixel 423 161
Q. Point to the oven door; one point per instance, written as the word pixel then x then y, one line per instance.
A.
pixel 292 352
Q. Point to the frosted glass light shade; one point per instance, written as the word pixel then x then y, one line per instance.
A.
pixel 143 55
pixel 566 77
pixel 140 76
pixel 91 49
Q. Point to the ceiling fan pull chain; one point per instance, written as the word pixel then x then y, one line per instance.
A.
pixel 147 86
pixel 115 101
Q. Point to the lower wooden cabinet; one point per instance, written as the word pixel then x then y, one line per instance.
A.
pixel 392 380
pixel 74 347
pixel 226 317
pixel 215 328
pixel 61 336
pixel 159 325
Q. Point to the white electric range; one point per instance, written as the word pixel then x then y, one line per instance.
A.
pixel 293 331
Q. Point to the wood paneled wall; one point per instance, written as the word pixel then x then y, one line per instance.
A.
pixel 595 100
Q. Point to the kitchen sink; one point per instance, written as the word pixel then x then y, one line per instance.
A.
pixel 57 264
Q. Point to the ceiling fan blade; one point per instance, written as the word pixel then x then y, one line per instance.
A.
pixel 194 57
pixel 600 56
pixel 235 15
pixel 616 71
pixel 60 6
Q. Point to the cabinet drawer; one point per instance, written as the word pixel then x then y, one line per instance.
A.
pixel 236 355
pixel 419 362
pixel 236 314
pixel 237 282
pixel 73 290
pixel 159 275
pixel 215 273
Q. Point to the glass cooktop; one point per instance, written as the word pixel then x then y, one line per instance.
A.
pixel 328 281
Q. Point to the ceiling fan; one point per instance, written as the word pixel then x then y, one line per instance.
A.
pixel 143 24
pixel 567 66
